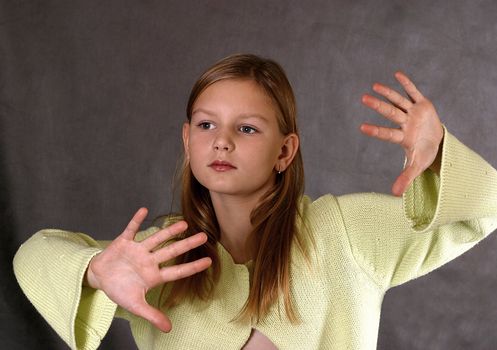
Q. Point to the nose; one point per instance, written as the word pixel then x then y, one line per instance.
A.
pixel 223 142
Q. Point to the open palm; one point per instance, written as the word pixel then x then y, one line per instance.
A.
pixel 127 269
pixel 420 131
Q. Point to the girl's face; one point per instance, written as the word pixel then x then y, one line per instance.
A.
pixel 233 141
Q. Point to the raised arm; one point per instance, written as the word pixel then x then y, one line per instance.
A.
pixel 444 210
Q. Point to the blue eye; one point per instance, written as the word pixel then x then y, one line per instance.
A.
pixel 248 129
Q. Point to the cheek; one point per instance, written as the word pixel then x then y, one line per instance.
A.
pixel 265 156
pixel 198 143
pixel 196 150
pixel 196 154
pixel 198 168
pixel 270 150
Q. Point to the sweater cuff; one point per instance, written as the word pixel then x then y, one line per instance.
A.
pixel 50 268
pixel 95 314
pixel 466 189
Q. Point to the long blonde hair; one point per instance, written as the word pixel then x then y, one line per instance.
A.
pixel 274 219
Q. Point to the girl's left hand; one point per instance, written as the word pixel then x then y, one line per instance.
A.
pixel 420 132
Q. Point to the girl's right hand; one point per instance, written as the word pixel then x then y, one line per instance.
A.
pixel 126 269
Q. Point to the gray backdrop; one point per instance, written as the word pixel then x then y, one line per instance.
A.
pixel 92 98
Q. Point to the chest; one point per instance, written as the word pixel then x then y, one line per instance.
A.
pixel 258 341
pixel 213 324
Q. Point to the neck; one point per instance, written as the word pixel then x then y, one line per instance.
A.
pixel 233 216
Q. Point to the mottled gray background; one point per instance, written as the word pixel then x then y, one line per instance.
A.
pixel 92 98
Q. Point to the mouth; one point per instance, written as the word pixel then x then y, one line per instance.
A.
pixel 221 165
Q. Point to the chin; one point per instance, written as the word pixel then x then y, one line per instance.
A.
pixel 237 190
pixel 227 190
pixel 219 186
pixel 234 187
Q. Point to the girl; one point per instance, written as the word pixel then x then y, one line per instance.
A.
pixel 267 267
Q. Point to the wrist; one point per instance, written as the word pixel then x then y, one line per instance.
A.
pixel 435 166
pixel 89 277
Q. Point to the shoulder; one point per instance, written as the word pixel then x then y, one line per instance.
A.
pixel 163 221
pixel 330 204
pixel 364 202
pixel 159 223
pixel 335 214
pixel 312 207
pixel 320 217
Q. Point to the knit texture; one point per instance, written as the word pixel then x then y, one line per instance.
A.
pixel 365 244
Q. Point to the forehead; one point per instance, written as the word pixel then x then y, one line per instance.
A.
pixel 241 95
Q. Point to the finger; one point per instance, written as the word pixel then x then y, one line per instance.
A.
pixel 409 86
pixel 405 179
pixel 176 272
pixel 393 96
pixel 164 234
pixel 180 247
pixel 385 109
pixel 134 225
pixel 382 133
pixel 153 315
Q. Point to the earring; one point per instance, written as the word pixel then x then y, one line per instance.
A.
pixel 278 170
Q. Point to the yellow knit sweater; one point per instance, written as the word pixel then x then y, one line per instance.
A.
pixel 365 244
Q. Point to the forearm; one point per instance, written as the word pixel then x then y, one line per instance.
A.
pixel 49 268
pixel 466 189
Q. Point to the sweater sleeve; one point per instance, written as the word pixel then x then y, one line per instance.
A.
pixel 50 268
pixel 438 218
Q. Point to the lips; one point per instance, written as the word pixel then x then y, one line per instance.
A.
pixel 222 165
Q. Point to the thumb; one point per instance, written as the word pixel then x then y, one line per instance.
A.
pixel 151 314
pixel 154 316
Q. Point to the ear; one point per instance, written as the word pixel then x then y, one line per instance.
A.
pixel 288 151
pixel 186 138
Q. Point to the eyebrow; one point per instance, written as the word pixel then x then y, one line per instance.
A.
pixel 243 115
pixel 201 110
